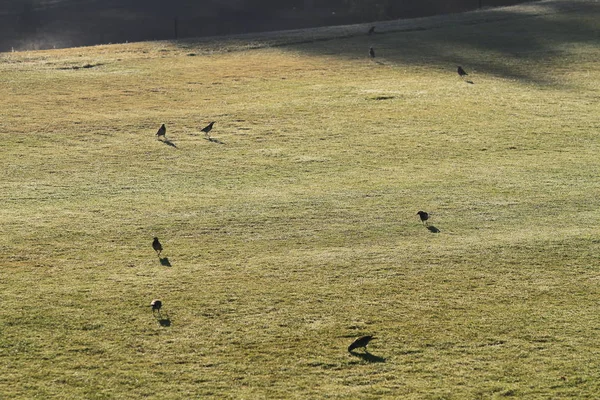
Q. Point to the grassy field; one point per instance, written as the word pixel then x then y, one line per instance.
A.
pixel 295 230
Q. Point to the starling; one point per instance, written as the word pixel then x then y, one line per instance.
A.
pixel 156 305
pixel 371 52
pixel 461 71
pixel 372 30
pixel 161 131
pixel 424 216
pixel 362 341
pixel 157 246
pixel 207 129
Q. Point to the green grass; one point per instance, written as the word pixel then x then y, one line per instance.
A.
pixel 299 232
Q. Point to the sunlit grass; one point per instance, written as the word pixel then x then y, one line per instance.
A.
pixel 298 232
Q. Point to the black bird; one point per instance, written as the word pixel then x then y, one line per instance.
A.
pixel 424 216
pixel 461 71
pixel 371 52
pixel 157 246
pixel 208 128
pixel 372 30
pixel 162 131
pixel 362 341
pixel 156 305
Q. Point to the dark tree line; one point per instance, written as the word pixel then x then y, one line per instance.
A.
pixel 370 8
pixel 84 22
pixel 28 17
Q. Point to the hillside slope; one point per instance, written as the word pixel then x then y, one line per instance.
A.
pixel 294 229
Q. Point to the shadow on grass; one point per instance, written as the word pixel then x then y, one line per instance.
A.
pixel 163 320
pixel 165 262
pixel 214 140
pixel 516 37
pixel 432 229
pixel 368 357
pixel 168 142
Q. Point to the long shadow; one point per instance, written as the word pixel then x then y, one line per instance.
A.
pixel 505 40
pixel 169 143
pixel 512 35
pixel 214 140
pixel 165 262
pixel 432 229
pixel 368 357
pixel 114 27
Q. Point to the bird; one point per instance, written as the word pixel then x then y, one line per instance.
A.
pixel 371 30
pixel 208 128
pixel 157 246
pixel 461 71
pixel 362 341
pixel 162 131
pixel 156 305
pixel 371 52
pixel 424 216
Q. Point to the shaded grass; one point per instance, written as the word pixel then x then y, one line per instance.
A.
pixel 298 233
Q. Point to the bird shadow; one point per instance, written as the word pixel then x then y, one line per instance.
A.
pixel 163 320
pixel 169 143
pixel 165 262
pixel 368 357
pixel 214 140
pixel 432 229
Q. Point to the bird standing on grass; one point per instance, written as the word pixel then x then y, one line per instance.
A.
pixel 156 305
pixel 371 52
pixel 157 246
pixel 162 131
pixel 461 71
pixel 362 341
pixel 207 129
pixel 372 30
pixel 424 216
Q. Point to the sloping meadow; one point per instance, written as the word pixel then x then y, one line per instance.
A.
pixel 292 229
